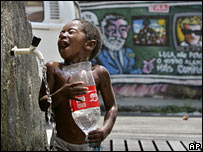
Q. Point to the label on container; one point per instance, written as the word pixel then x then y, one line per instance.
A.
pixel 89 100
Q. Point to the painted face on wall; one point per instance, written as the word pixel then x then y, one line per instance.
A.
pixel 115 34
pixel 117 28
pixel 192 34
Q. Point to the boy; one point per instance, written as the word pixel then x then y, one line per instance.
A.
pixel 79 41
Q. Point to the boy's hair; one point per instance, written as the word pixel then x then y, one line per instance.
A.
pixel 92 33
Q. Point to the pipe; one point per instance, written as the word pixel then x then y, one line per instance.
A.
pixel 31 50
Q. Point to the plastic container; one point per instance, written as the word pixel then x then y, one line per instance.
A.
pixel 86 113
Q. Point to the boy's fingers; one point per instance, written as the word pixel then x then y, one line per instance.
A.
pixel 69 80
pixel 80 89
pixel 75 84
pixel 78 93
pixel 94 137
pixel 93 132
pixel 92 141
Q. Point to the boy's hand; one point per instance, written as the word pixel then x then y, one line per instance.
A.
pixel 95 137
pixel 69 90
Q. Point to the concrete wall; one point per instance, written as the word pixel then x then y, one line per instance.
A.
pixel 22 122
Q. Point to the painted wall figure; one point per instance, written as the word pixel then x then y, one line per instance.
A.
pixel 91 17
pixel 191 27
pixel 149 31
pixel 115 55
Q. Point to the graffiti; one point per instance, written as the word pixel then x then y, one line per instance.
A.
pixel 149 31
pixel 188 31
pixel 164 8
pixel 91 17
pixel 115 56
pixel 115 29
pixel 148 66
pixel 154 42
pixel 186 63
pixel 139 90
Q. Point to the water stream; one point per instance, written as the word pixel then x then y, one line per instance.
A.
pixel 50 113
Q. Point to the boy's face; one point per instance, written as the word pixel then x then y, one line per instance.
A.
pixel 71 41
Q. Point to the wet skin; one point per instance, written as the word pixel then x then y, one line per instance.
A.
pixel 74 48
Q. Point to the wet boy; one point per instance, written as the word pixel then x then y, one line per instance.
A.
pixel 79 41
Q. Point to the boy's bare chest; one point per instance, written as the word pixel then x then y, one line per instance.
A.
pixel 60 78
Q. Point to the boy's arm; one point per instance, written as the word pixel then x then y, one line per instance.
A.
pixel 68 91
pixel 109 102
pixel 110 106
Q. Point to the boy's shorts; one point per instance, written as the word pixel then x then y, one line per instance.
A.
pixel 59 144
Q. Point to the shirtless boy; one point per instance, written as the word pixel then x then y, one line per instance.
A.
pixel 79 41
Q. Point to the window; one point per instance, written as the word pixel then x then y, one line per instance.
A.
pixel 34 10
pixel 150 31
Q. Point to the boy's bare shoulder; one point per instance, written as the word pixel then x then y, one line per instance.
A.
pixel 102 72
pixel 52 65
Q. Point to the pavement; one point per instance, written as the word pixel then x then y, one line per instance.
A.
pixel 157 106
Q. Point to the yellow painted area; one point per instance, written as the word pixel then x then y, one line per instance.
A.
pixel 162 22
pixel 179 32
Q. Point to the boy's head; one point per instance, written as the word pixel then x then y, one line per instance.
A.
pixel 77 36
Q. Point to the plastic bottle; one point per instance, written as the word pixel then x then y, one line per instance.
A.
pixel 86 113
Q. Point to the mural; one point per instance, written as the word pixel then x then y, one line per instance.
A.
pixel 188 31
pixel 139 90
pixel 182 63
pixel 115 55
pixel 91 17
pixel 139 43
pixel 149 31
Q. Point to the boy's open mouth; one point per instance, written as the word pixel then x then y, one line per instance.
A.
pixel 64 44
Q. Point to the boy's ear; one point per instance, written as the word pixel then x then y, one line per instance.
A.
pixel 90 45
